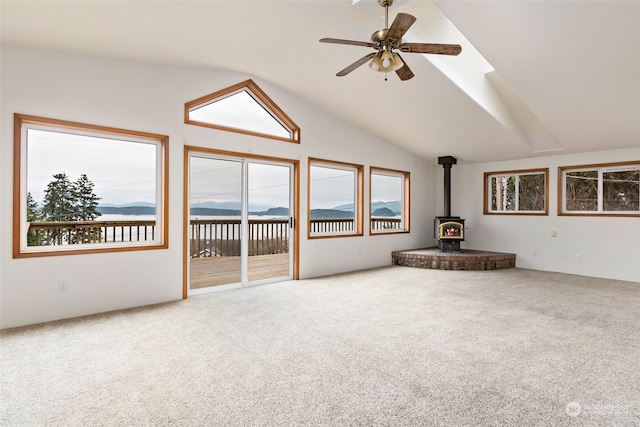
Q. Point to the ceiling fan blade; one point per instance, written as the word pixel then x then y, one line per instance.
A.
pixel 400 25
pixel 356 64
pixel 437 48
pixel 404 72
pixel 349 42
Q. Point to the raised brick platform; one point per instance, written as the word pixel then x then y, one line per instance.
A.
pixel 466 259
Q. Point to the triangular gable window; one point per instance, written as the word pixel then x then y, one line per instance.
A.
pixel 243 108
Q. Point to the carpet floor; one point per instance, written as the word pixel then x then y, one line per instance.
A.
pixel 392 346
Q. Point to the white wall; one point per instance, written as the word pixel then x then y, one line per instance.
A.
pixel 150 98
pixel 606 247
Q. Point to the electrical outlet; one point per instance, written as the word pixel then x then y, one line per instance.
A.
pixel 554 233
pixel 577 257
pixel 63 287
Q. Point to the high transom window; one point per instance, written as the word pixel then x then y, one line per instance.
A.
pixel 242 108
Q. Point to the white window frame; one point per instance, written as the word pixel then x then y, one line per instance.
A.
pixel 489 176
pixel 601 169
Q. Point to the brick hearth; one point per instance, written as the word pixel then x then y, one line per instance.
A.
pixel 471 260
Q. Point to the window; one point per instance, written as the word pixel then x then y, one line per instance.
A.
pixel 335 199
pixel 87 188
pixel 389 209
pixel 605 189
pixel 520 192
pixel 243 108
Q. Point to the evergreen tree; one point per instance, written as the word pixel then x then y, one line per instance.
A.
pixel 59 200
pixel 86 203
pixel 66 201
pixel 86 200
pixel 58 205
pixel 33 215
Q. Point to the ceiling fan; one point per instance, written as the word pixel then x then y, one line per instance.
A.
pixel 389 39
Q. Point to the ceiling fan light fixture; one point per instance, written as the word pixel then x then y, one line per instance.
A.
pixel 395 63
pixel 386 62
pixel 376 62
pixel 386 58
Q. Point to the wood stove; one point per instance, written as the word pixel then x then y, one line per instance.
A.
pixel 448 230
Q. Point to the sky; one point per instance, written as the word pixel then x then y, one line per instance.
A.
pixel 123 172
pixel 240 111
pixel 219 181
pixel 331 187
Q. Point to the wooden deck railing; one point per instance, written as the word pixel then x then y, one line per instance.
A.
pixel 208 237
pixel 81 232
pixel 331 225
pixel 221 237
pixel 386 223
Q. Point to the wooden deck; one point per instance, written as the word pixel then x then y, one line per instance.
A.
pixel 216 271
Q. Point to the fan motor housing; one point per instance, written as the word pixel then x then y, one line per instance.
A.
pixel 380 38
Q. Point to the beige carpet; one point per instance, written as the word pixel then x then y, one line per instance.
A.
pixel 393 346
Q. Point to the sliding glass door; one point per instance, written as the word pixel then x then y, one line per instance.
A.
pixel 240 224
pixel 269 221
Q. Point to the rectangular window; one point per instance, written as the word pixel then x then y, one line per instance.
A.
pixel 335 199
pixel 605 189
pixel 520 192
pixel 389 208
pixel 87 188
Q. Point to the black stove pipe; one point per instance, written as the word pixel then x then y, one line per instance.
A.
pixel 447 162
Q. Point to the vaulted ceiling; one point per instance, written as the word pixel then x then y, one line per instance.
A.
pixel 534 77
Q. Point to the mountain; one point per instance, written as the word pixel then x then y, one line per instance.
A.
pixel 273 212
pixel 215 212
pixel 143 208
pixel 126 210
pixel 330 214
pixel 236 212
pixel 394 206
pixel 126 205
pixel 230 205
pixel 383 212
pixel 345 207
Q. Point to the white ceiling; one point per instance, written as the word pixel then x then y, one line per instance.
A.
pixel 566 79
